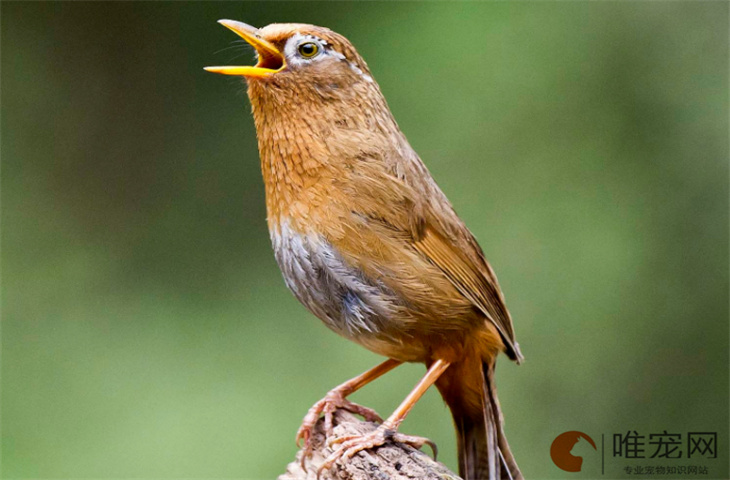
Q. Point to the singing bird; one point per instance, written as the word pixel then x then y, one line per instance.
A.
pixel 367 241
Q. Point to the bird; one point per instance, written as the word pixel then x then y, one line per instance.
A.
pixel 367 241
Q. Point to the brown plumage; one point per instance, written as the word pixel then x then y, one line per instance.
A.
pixel 368 242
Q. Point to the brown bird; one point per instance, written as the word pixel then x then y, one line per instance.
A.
pixel 368 242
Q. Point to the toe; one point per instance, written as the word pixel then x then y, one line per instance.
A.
pixel 329 462
pixel 415 442
pixel 303 435
pixel 367 413
pixel 337 440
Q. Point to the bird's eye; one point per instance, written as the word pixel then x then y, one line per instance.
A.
pixel 308 49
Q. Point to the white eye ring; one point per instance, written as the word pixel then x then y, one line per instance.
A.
pixel 302 49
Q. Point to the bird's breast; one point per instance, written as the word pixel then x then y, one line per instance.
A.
pixel 347 301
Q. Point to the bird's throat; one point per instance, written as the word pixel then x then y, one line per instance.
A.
pixel 309 147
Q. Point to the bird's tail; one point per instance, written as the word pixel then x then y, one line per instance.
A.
pixel 469 391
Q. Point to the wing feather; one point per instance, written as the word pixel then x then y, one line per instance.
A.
pixel 472 280
pixel 394 207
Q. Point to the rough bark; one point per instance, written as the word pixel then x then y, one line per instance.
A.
pixel 392 461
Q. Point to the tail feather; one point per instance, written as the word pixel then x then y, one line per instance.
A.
pixel 510 470
pixel 484 453
pixel 477 447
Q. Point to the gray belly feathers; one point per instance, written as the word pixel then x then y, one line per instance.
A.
pixel 341 296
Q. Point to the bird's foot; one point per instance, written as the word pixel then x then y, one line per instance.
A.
pixel 352 444
pixel 334 400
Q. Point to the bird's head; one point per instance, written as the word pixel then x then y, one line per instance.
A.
pixel 299 58
pixel 315 103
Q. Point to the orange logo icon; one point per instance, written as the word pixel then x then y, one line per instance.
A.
pixel 561 448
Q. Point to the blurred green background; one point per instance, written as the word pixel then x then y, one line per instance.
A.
pixel 147 332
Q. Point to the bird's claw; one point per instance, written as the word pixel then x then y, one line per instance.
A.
pixel 334 400
pixel 352 444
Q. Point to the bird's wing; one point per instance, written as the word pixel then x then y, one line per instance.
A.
pixel 473 279
pixel 434 233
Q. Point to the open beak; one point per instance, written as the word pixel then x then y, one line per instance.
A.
pixel 270 59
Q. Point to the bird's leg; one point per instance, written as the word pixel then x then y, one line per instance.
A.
pixel 388 430
pixel 335 399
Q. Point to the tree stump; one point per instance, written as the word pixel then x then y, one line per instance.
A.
pixel 392 461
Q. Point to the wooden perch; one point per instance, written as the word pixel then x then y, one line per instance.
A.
pixel 392 461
